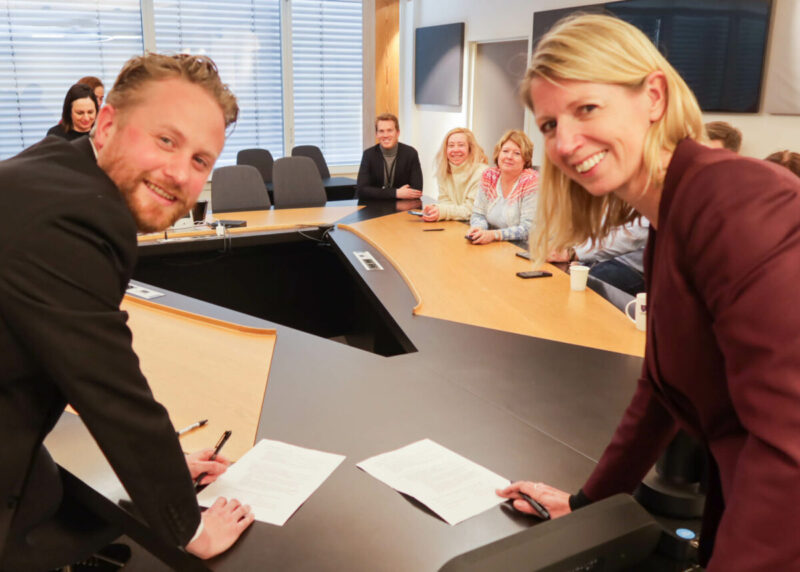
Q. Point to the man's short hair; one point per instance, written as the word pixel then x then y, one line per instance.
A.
pixel 727 134
pixel 199 70
pixel 787 159
pixel 387 117
pixel 91 81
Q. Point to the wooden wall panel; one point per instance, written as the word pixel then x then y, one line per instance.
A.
pixel 387 56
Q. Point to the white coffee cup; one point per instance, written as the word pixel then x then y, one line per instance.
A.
pixel 640 312
pixel 578 275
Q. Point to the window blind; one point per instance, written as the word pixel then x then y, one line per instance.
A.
pixel 45 47
pixel 328 78
pixel 243 37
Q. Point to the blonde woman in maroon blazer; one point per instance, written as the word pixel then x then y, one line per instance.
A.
pixel 624 136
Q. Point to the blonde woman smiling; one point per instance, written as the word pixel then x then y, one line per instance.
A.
pixel 624 136
pixel 460 163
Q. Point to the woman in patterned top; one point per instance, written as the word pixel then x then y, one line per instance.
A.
pixel 506 202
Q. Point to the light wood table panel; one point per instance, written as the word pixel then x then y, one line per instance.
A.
pixel 202 368
pixel 458 281
pixel 265 220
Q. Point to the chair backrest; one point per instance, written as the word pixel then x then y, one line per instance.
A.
pixel 297 184
pixel 313 152
pixel 261 159
pixel 238 188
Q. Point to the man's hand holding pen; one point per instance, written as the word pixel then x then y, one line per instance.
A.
pixel 200 462
pixel 225 520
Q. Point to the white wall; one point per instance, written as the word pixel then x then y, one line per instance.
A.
pixel 423 126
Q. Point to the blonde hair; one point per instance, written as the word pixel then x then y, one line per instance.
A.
pixel 476 154
pixel 520 140
pixel 602 49
pixel 200 70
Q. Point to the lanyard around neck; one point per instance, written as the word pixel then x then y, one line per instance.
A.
pixel 387 172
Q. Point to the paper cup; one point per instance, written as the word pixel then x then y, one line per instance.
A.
pixel 578 275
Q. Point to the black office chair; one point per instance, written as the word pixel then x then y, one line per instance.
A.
pixel 238 188
pixel 315 154
pixel 297 184
pixel 336 188
pixel 261 159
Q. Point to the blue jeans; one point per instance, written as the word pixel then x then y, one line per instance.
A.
pixel 620 275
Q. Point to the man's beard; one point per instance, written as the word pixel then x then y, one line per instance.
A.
pixel 149 214
pixel 145 222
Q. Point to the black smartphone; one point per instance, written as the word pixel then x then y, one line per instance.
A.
pixel 534 274
pixel 416 213
pixel 524 254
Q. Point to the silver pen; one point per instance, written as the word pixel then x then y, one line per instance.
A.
pixel 192 427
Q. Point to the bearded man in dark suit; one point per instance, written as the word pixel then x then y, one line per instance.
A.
pixel 67 251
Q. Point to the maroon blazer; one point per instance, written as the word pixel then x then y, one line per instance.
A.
pixel 723 353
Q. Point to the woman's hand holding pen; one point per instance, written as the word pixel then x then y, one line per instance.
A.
pixel 554 500
pixel 200 462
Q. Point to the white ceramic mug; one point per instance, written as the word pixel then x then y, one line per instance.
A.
pixel 640 312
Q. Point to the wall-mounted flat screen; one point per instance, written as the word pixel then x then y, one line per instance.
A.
pixel 717 46
pixel 439 64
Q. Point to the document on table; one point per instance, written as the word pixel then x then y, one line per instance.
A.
pixel 274 478
pixel 450 485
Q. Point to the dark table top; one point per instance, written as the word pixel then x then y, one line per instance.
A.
pixel 523 407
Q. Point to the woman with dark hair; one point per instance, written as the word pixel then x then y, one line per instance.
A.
pixel 78 113
pixel 624 137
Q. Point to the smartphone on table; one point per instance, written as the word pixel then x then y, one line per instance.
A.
pixel 534 274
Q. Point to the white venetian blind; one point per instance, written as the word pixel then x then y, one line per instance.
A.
pixel 328 77
pixel 243 37
pixel 45 47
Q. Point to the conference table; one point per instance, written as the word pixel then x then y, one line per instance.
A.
pixel 442 341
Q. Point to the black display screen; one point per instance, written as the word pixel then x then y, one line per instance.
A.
pixel 717 46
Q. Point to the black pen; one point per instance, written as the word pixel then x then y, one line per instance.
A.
pixel 192 427
pixel 431 229
pixel 536 505
pixel 217 449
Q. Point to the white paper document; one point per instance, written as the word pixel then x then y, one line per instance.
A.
pixel 274 478
pixel 450 485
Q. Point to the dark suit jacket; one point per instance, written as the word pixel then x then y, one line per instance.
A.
pixel 67 250
pixel 723 353
pixel 371 173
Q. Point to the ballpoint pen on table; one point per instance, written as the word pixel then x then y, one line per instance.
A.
pixel 191 427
